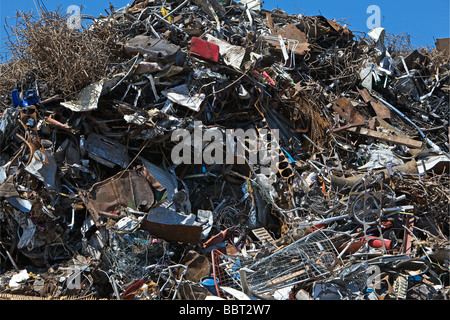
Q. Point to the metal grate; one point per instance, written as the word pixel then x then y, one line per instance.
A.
pixel 312 256
pixel 225 272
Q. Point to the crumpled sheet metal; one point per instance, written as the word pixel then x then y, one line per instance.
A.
pixel 185 96
pixel 232 55
pixel 43 167
pixel 128 189
pixel 106 151
pixel 87 98
pixel 155 50
pixel 185 232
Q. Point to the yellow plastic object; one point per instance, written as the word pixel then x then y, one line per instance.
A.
pixel 164 13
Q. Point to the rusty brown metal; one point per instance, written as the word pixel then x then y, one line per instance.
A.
pixel 172 232
pixel 343 106
pixel 380 109
pixel 127 188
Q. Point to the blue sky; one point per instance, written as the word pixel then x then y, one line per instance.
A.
pixel 425 21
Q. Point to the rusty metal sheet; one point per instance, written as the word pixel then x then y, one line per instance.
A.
pixel 8 189
pixel 338 28
pixel 380 109
pixel 127 188
pixel 173 232
pixel 346 110
pixel 407 237
pixel 443 45
pixel 405 141
pixel 269 22
pixel 293 33
pixel 414 60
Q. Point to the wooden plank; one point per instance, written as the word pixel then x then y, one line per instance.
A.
pixel 351 125
pixel 386 137
pixel 285 278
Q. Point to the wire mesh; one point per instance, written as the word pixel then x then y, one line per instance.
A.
pixel 130 254
pixel 312 256
pixel 222 274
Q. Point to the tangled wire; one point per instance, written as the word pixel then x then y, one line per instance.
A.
pixel 53 59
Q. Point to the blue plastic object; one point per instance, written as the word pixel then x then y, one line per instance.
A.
pixel 415 278
pixel 208 283
pixel 291 160
pixel 30 99
pixel 16 98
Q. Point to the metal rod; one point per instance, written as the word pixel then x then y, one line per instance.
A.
pixel 176 9
pixel 168 22
pixel 429 142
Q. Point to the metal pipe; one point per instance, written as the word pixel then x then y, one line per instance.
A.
pixel 176 9
pixel 429 142
pixel 168 22
pixel 324 221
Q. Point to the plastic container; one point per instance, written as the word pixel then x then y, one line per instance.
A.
pixel 208 283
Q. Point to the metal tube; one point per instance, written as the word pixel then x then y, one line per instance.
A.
pixel 168 22
pixel 176 9
pixel 324 221
pixel 429 142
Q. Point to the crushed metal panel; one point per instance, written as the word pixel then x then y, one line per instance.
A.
pixel 443 45
pixel 436 164
pixel 291 32
pixel 172 230
pixel 154 49
pixel 252 4
pixel 127 188
pixel 44 167
pixel 380 109
pixel 205 50
pixel 185 96
pixel 164 178
pixel 87 98
pixel 346 110
pixel 106 151
pixel 232 55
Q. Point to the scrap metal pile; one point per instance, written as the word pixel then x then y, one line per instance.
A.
pixel 96 204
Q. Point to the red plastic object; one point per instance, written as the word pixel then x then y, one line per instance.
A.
pixel 205 50
pixel 375 242
pixel 130 292
pixel 355 246
pixel 386 224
